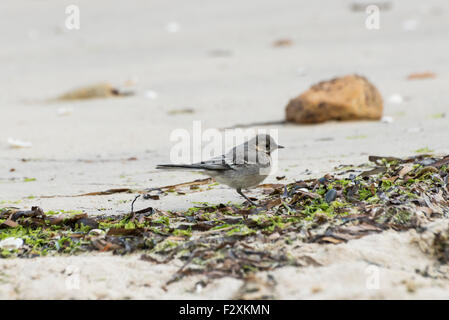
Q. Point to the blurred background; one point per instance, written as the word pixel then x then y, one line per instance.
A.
pixel 220 62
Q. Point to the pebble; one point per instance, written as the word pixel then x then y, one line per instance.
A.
pixel 322 180
pixel 331 195
pixel 11 243
pixel 386 119
pixel 97 232
pixel 427 161
pixel 15 143
pixel 396 98
pixel 150 94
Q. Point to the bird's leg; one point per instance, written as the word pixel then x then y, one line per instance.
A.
pixel 239 191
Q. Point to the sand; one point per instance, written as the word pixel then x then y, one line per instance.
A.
pixel 221 63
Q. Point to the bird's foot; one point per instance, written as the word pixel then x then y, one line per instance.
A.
pixel 239 191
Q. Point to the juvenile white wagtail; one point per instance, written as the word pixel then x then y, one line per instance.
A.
pixel 244 166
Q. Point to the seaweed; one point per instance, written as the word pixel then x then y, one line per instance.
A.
pixel 218 240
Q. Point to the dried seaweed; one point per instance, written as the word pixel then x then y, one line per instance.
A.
pixel 238 240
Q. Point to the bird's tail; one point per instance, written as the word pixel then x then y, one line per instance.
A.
pixel 179 166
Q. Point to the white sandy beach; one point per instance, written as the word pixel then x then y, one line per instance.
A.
pixel 221 63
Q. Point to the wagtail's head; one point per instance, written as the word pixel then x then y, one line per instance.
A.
pixel 264 143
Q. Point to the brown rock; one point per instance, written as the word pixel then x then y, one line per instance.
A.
pixel 351 97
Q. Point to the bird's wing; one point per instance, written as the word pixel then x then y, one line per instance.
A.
pixel 243 157
pixel 216 163
pixel 235 158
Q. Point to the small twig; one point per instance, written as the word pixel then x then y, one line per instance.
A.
pixel 132 208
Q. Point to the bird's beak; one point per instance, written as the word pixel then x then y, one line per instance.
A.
pixel 280 147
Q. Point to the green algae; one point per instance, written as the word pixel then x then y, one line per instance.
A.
pixel 219 238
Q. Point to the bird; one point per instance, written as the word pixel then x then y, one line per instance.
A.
pixel 244 166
